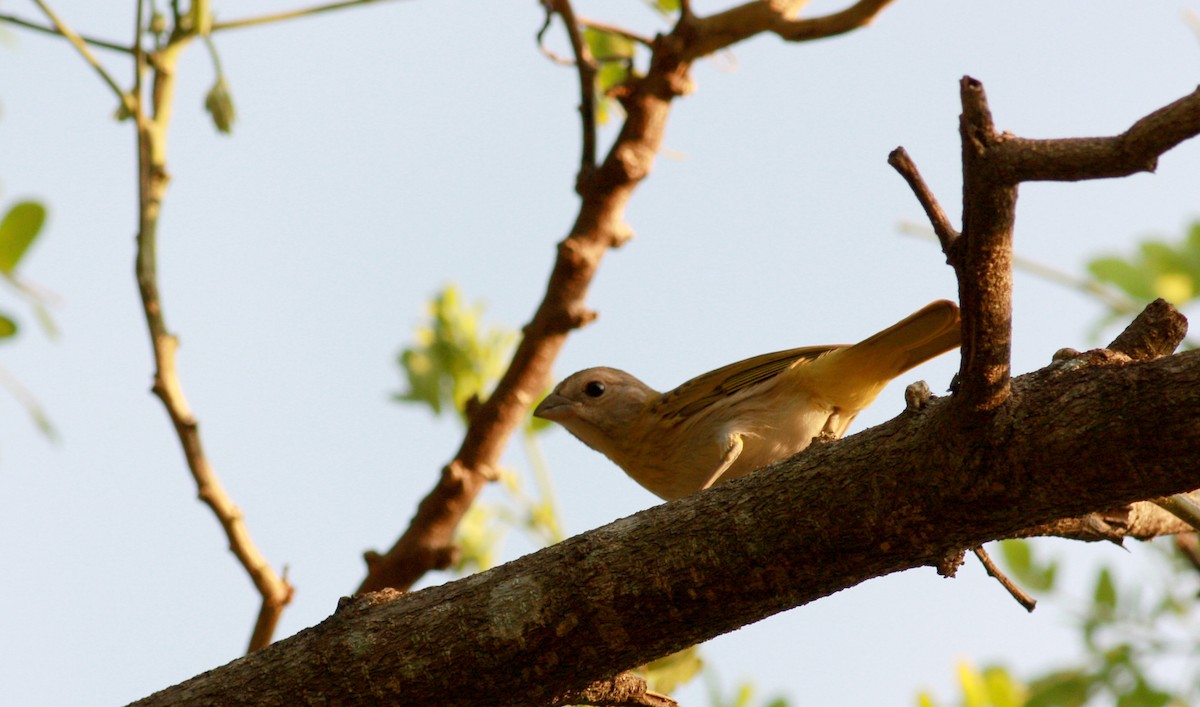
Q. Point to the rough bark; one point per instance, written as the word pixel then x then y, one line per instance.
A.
pixel 1096 432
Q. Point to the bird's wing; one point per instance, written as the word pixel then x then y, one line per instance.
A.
pixel 703 390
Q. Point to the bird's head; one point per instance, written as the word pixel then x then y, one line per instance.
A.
pixel 603 407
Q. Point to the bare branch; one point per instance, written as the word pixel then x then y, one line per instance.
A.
pixel 946 233
pixel 982 258
pixel 723 29
pixel 289 15
pixel 80 45
pixel 587 90
pixel 1135 150
pixel 993 165
pixel 274 590
pixel 98 43
pixel 1013 589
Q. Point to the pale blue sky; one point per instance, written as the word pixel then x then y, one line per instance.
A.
pixel 382 152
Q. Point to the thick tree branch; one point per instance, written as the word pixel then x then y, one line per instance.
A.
pixel 982 258
pixel 917 487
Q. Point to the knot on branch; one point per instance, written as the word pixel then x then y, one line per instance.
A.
pixel 561 321
pixel 362 602
pixel 948 564
pixel 634 161
pixel 917 396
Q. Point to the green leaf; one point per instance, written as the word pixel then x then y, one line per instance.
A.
pixel 219 104
pixel 8 327
pixel 1144 695
pixel 1018 558
pixel 667 673
pixel 666 8
pixel 478 537
pixel 1003 690
pixel 608 46
pixel 1105 593
pixel 1131 279
pixel 971 682
pixel 1065 688
pixel 18 230
pixel 614 58
pixel 610 75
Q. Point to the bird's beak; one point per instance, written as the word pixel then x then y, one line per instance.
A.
pixel 553 407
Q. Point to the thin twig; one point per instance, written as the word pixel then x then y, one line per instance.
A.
pixel 27 400
pixel 946 232
pixel 587 89
pixel 546 51
pixel 289 15
pixel 98 43
pixel 82 46
pixel 1017 593
pixel 139 53
pixel 274 590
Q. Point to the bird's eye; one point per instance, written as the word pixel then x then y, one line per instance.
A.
pixel 594 389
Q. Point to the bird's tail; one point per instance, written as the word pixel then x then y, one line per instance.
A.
pixel 931 331
pixel 854 375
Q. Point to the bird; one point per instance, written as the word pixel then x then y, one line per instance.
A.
pixel 741 417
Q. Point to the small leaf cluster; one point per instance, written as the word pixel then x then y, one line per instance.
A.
pixel 19 228
pixel 613 54
pixel 455 359
pixel 1158 269
pixel 1169 269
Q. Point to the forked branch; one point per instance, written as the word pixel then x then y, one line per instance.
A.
pixel 994 164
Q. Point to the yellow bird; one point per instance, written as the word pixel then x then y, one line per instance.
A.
pixel 731 421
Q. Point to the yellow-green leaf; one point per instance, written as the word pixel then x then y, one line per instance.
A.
pixel 18 230
pixel 8 327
